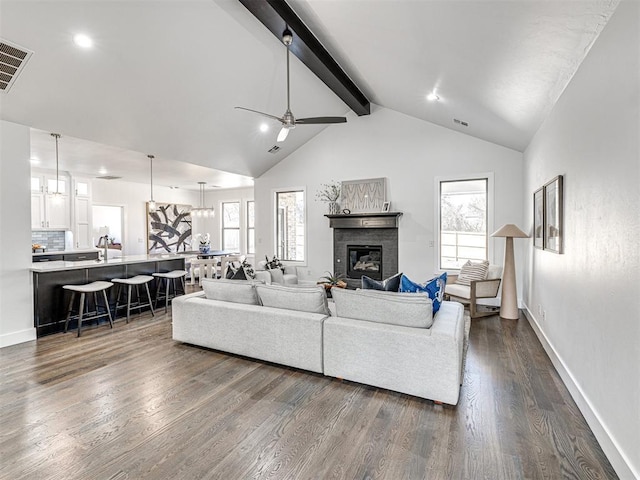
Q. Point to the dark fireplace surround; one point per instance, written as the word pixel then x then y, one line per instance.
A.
pixel 367 241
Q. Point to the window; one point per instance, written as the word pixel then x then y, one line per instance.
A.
pixel 463 214
pixel 251 236
pixel 290 225
pixel 231 226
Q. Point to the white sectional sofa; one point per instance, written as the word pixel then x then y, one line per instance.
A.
pixel 388 340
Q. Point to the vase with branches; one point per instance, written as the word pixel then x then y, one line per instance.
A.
pixel 330 193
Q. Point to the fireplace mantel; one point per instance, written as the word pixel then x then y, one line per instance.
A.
pixel 365 220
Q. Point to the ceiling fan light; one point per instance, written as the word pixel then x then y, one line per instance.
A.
pixel 283 134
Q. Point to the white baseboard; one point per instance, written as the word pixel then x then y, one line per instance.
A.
pixel 21 336
pixel 618 460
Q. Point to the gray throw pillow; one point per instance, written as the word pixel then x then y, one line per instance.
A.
pixel 391 284
pixel 292 297
pixel 235 291
pixel 404 309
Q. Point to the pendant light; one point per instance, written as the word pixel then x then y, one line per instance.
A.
pixel 57 192
pixel 151 204
pixel 202 211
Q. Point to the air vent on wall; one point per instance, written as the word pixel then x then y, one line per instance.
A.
pixel 274 149
pixel 12 61
pixel 109 177
pixel 460 122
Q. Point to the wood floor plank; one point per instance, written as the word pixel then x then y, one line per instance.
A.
pixel 130 403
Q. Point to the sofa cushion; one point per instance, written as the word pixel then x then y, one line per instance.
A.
pixel 434 288
pixel 235 291
pixel 310 299
pixel 394 308
pixel 472 271
pixel 391 284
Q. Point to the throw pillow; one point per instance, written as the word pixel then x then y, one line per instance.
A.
pixel 472 271
pixel 230 272
pixel 233 291
pixel 391 284
pixel 434 288
pixel 302 299
pixel 393 308
pixel 239 275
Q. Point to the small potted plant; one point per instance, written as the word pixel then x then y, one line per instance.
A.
pixel 332 280
pixel 205 242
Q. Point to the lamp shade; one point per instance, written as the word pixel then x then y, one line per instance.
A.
pixel 509 230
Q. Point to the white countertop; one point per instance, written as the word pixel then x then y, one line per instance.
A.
pixel 60 266
pixel 62 252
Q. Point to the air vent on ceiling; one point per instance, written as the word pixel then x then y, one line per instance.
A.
pixel 274 149
pixel 109 177
pixel 12 61
pixel 460 122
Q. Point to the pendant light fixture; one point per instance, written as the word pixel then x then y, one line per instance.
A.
pixel 57 192
pixel 202 211
pixel 151 204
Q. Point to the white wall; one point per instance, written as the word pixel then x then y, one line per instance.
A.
pixel 591 293
pixel 133 197
pixel 410 153
pixel 16 305
pixel 213 226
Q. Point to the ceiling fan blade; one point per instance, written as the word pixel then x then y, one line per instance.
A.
pixel 319 120
pixel 283 134
pixel 280 119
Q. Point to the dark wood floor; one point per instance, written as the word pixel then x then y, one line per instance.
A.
pixel 130 403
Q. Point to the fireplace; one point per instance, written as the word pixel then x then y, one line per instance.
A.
pixel 364 260
pixel 365 244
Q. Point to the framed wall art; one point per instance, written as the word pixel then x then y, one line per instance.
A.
pixel 553 215
pixel 169 228
pixel 362 196
pixel 538 218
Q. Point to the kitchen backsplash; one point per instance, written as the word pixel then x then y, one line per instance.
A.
pixel 54 241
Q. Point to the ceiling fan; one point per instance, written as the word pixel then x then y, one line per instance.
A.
pixel 287 120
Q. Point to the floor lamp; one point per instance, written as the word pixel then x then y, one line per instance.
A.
pixel 509 300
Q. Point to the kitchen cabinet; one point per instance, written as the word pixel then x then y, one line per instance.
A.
pixel 48 209
pixel 82 221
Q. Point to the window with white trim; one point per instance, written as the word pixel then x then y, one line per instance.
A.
pixel 290 225
pixel 463 208
pixel 251 230
pixel 231 226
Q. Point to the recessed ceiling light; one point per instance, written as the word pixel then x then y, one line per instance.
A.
pixel 432 97
pixel 34 160
pixel 264 127
pixel 102 171
pixel 82 40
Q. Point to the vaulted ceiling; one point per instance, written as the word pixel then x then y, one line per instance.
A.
pixel 163 76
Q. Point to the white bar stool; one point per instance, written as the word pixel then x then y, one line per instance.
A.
pixel 94 288
pixel 169 278
pixel 130 283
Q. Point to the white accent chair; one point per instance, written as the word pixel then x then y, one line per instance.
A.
pixel 289 277
pixel 487 288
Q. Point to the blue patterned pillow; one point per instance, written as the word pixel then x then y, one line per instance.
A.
pixel 391 284
pixel 434 288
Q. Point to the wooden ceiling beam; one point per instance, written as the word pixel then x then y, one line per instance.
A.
pixel 276 15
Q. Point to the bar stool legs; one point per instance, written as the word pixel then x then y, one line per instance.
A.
pixel 130 283
pixel 169 278
pixel 94 288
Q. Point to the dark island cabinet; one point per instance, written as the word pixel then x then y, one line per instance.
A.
pixel 51 301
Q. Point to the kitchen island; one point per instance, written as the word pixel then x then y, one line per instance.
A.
pixel 50 301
